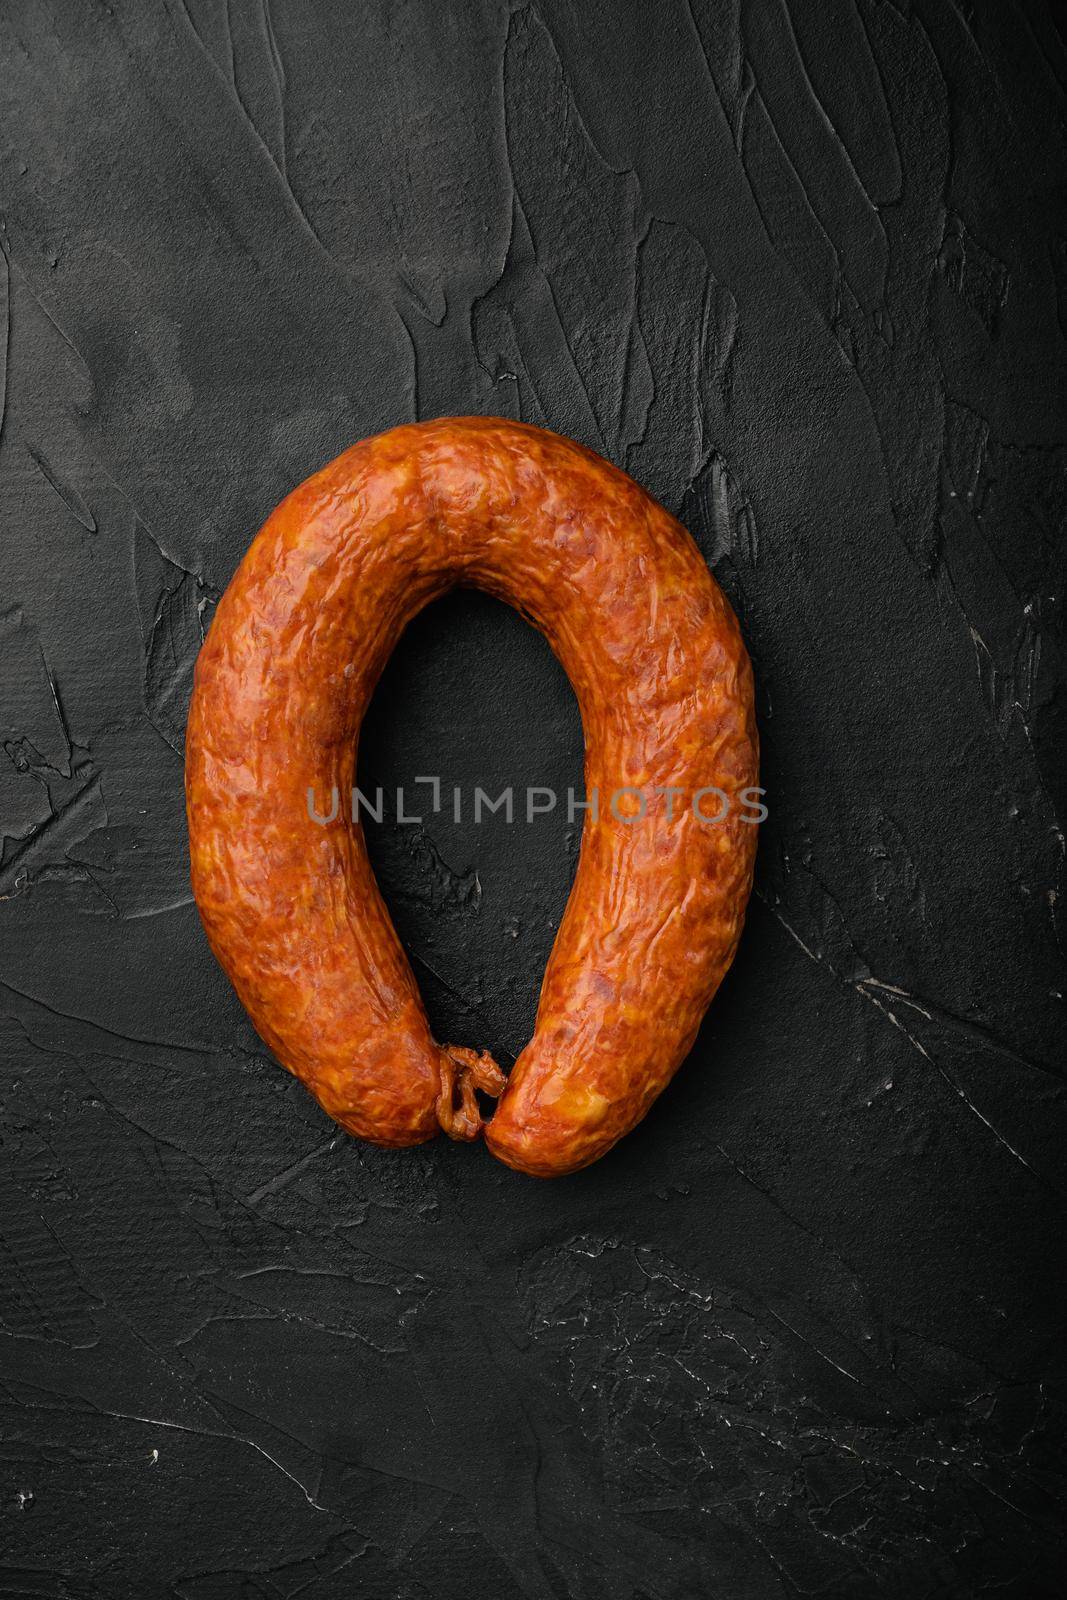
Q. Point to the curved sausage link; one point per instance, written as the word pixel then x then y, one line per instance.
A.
pixel 664 686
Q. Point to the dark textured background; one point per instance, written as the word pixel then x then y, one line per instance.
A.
pixel 802 269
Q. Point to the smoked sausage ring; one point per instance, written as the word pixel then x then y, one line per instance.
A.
pixel 654 654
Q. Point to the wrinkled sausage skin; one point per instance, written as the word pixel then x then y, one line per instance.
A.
pixel 663 682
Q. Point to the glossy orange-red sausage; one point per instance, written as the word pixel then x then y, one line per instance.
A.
pixel 664 685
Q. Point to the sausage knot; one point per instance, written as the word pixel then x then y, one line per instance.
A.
pixel 463 1072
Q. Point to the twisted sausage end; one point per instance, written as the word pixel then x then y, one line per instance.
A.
pixel 463 1072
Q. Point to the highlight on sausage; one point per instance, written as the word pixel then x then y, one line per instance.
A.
pixel 664 686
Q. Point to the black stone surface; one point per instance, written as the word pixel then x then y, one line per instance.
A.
pixel 801 269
